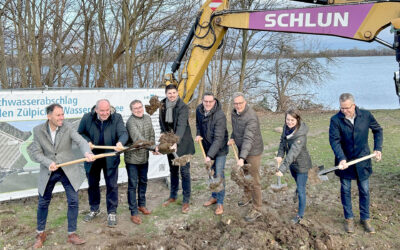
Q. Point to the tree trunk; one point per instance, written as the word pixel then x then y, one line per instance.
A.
pixel 126 31
pixel 3 58
pixel 19 23
pixel 33 43
pixel 243 63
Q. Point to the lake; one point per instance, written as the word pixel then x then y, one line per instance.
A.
pixel 369 79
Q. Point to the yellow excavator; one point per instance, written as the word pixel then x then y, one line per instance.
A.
pixel 352 19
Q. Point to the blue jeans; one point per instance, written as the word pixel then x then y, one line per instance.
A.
pixel 174 175
pixel 301 181
pixel 363 193
pixel 218 167
pixel 44 201
pixel 111 178
pixel 137 182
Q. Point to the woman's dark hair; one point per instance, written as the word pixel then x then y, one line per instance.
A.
pixel 171 86
pixel 295 114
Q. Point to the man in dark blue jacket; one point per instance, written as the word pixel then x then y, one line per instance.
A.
pixel 348 136
pixel 103 126
pixel 212 133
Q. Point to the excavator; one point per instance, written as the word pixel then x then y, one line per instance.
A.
pixel 360 20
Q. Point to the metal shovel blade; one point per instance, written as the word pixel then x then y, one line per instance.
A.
pixel 278 186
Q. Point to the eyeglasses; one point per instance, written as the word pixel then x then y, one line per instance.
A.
pixel 238 103
pixel 138 108
pixel 208 101
pixel 346 108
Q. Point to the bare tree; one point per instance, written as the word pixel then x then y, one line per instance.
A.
pixel 290 73
pixel 3 62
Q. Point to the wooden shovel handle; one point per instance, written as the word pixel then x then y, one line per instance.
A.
pixel 84 159
pixel 105 147
pixel 234 151
pixel 361 159
pixel 202 148
pixel 324 172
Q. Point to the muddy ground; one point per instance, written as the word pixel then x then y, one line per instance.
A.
pixel 168 228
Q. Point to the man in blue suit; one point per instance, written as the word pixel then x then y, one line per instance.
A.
pixel 348 137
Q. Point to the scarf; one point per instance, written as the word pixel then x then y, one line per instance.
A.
pixel 170 108
pixel 289 131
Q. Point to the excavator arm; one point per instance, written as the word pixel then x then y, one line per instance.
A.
pixel 358 20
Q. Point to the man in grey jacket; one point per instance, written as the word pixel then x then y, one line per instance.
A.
pixel 246 135
pixel 52 145
pixel 139 127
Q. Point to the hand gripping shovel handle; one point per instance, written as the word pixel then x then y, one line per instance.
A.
pixel 323 172
pixel 84 159
pixel 279 186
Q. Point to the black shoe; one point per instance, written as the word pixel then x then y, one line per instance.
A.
pixel 367 226
pixel 244 202
pixel 91 215
pixel 296 220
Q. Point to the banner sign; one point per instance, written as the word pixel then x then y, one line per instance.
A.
pixel 22 110
pixel 344 20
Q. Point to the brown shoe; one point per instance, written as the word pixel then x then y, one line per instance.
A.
pixel 40 239
pixel 367 226
pixel 74 239
pixel 185 208
pixel 169 201
pixel 144 210
pixel 210 202
pixel 349 225
pixel 219 210
pixel 136 219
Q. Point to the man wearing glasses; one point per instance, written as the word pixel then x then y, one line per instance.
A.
pixel 246 135
pixel 139 127
pixel 348 137
pixel 212 133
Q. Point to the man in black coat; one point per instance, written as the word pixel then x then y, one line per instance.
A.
pixel 212 133
pixel 174 117
pixel 348 137
pixel 103 126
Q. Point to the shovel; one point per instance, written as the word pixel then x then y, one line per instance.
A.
pixel 140 144
pixel 98 156
pixel 106 147
pixel 327 171
pixel 215 184
pixel 278 186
